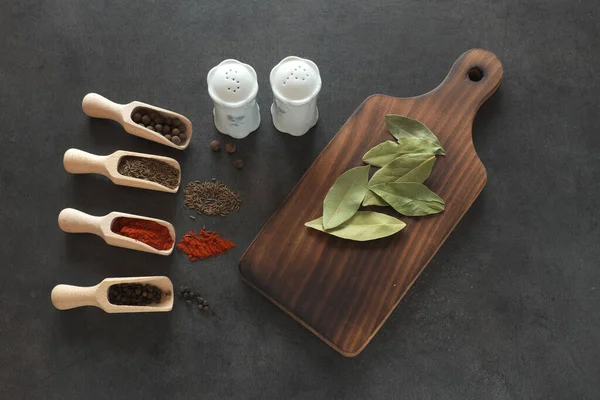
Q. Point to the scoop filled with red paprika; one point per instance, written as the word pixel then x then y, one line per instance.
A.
pixel 122 230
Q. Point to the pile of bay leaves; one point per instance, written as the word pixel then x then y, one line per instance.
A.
pixel 405 165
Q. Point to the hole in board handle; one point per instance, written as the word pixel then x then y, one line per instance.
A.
pixel 475 74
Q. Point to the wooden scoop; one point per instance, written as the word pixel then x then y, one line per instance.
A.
pixel 65 297
pixel 75 221
pixel 80 162
pixel 98 106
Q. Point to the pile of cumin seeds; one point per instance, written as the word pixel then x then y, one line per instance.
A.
pixel 149 169
pixel 211 198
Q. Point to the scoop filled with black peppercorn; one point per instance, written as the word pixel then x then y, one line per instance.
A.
pixel 143 120
pixel 118 295
pixel 172 128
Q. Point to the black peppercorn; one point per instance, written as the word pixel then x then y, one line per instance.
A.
pixel 176 140
pixel 175 132
pixel 158 128
pixel 166 128
pixel 146 120
pixel 137 117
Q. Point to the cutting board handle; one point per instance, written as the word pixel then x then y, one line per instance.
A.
pixel 474 77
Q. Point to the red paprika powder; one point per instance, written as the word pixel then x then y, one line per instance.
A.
pixel 203 245
pixel 146 231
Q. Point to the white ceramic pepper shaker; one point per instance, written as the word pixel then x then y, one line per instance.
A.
pixel 295 83
pixel 232 85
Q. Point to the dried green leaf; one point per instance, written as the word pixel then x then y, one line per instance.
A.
pixel 363 226
pixel 410 198
pixel 401 126
pixel 386 152
pixel 406 168
pixel 344 197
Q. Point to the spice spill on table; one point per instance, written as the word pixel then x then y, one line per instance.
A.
pixel 203 245
pixel 192 297
pixel 211 198
pixel 150 232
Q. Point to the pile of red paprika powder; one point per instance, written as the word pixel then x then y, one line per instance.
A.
pixel 146 231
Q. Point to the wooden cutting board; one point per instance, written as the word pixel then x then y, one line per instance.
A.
pixel 343 291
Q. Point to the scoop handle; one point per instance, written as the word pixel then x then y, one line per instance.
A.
pixel 65 297
pixel 98 106
pixel 81 162
pixel 75 221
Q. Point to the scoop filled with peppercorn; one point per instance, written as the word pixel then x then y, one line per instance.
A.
pixel 142 120
pixel 118 295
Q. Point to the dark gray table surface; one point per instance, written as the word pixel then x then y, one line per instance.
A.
pixel 508 309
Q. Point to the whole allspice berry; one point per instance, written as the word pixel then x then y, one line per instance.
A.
pixel 215 145
pixel 176 140
pixel 146 120
pixel 137 117
pixel 230 148
pixel 239 164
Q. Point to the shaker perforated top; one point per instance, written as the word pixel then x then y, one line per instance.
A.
pixel 232 83
pixel 295 80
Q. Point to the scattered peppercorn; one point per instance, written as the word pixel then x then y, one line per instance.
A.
pixel 230 148
pixel 239 164
pixel 215 145
pixel 187 293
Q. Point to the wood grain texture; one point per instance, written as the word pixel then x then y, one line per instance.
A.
pixel 343 291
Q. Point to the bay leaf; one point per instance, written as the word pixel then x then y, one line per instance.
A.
pixel 410 198
pixel 363 226
pixel 344 197
pixel 406 168
pixel 401 126
pixel 386 152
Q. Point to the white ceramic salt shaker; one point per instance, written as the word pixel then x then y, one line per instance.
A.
pixel 232 85
pixel 295 83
